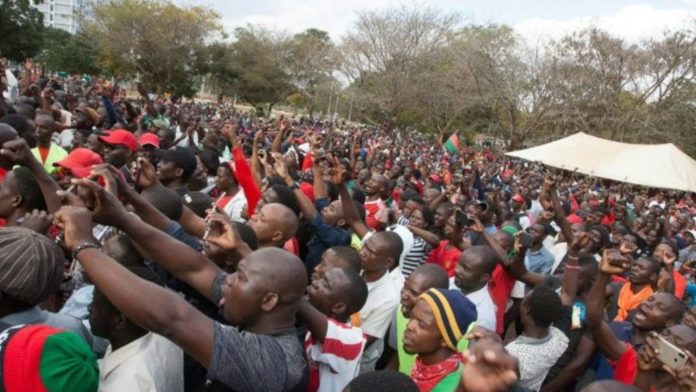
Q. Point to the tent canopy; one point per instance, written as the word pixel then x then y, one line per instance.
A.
pixel 650 165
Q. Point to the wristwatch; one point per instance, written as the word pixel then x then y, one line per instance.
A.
pixel 85 245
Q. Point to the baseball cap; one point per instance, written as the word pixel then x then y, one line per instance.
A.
pixel 149 139
pixel 90 113
pixel 519 199
pixel 80 162
pixel 183 157
pixel 121 137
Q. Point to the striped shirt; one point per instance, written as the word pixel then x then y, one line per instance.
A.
pixel 335 362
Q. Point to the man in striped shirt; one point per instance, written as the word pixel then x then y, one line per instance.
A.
pixel 333 347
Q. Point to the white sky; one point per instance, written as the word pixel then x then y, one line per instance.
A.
pixel 535 20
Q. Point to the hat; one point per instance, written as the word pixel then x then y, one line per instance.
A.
pixel 91 114
pixel 512 230
pixel 31 265
pixel 80 162
pixel 37 358
pixel 453 313
pixel 507 173
pixel 519 199
pixel 482 204
pixel 182 157
pixel 149 139
pixel 121 137
pixel 435 177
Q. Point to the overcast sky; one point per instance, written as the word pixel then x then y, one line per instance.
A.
pixel 536 20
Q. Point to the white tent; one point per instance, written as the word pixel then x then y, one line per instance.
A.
pixel 650 165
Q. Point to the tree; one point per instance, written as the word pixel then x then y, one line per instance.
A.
pixel 21 29
pixel 157 39
pixel 311 62
pixel 257 58
pixel 70 53
pixel 386 53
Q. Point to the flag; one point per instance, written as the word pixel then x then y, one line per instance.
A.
pixel 452 145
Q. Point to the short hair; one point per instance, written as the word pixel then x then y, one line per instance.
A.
pixel 248 235
pixel 166 200
pixel 672 244
pixel 383 380
pixel 17 121
pixel 489 258
pixel 210 159
pixel 654 263
pixel 331 190
pixel 355 292
pixel 544 306
pixel 287 197
pixel 394 244
pixel 418 200
pixel 130 257
pixel 350 258
pixel 29 189
pixel 435 275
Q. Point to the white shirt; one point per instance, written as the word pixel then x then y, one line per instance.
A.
pixel 536 356
pixel 236 207
pixel 150 363
pixel 337 359
pixel 485 307
pixel 383 297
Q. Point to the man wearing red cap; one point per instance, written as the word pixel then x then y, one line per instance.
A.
pixel 148 143
pixel 119 147
pixel 78 164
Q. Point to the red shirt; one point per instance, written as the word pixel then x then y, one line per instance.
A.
pixel 626 367
pixel 500 287
pixel 445 257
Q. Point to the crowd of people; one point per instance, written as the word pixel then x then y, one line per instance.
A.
pixel 158 245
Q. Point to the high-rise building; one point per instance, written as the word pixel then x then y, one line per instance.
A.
pixel 61 14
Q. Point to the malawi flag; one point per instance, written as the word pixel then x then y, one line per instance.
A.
pixel 452 145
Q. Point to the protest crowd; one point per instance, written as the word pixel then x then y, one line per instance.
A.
pixel 158 245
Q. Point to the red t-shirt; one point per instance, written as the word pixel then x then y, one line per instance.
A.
pixel 626 367
pixel 500 287
pixel 444 257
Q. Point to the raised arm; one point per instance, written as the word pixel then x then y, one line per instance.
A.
pixel 255 162
pixel 164 312
pixel 315 321
pixel 306 205
pixel 17 151
pixel 176 257
pixel 569 285
pixel 492 243
pixel 519 271
pixel 278 140
pixel 350 211
pixel 242 170
pixel 605 339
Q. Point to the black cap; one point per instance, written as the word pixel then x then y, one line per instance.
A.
pixel 183 157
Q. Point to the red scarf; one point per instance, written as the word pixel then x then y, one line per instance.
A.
pixel 427 377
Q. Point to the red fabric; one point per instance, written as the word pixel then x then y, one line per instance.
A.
pixel 372 210
pixel 500 287
pixel 445 256
pixel 626 367
pixel 609 219
pixel 308 190
pixel 43 152
pixel 23 358
pixel 679 284
pixel 246 180
pixel 292 246
pixel 307 163
pixel 222 202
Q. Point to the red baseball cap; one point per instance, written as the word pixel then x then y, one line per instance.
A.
pixel 121 137
pixel 519 199
pixel 80 162
pixel 149 139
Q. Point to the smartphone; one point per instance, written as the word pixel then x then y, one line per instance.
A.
pixel 526 239
pixel 670 354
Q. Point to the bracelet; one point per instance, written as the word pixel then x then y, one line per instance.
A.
pixel 572 267
pixel 83 246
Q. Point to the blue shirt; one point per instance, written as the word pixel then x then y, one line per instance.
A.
pixel 324 236
pixel 540 261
